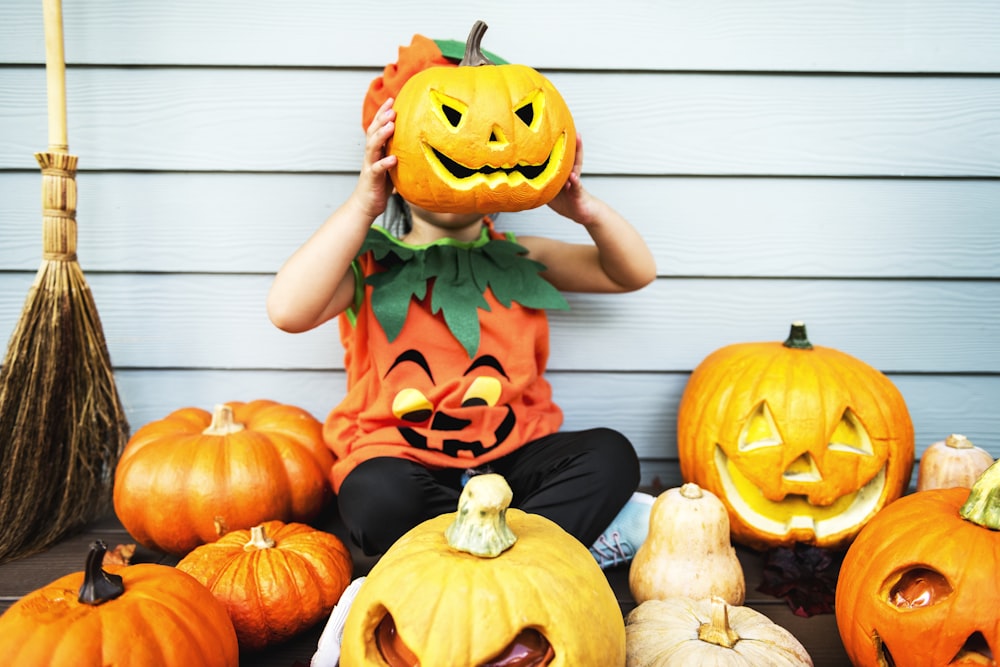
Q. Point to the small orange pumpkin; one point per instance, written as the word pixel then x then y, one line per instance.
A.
pixel 127 616
pixel 192 476
pixel 480 137
pixel 802 443
pixel 919 585
pixel 275 579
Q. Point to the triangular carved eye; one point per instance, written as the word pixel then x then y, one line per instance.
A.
pixel 851 436
pixel 759 430
pixel 529 109
pixel 450 110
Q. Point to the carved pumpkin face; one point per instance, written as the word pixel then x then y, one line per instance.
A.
pixel 919 587
pixel 802 443
pixel 481 138
pixel 532 591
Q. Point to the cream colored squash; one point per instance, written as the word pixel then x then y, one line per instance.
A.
pixel 681 632
pixel 951 462
pixel 688 551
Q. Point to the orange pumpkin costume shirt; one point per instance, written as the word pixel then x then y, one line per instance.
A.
pixel 445 352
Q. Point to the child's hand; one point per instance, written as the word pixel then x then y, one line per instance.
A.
pixel 374 186
pixel 573 201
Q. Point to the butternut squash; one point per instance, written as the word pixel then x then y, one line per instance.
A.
pixel 688 551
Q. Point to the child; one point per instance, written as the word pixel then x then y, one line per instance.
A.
pixel 440 392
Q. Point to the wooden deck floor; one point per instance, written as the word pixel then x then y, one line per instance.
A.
pixel 818 633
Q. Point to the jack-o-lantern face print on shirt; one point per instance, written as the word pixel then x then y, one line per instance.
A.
pixel 446 421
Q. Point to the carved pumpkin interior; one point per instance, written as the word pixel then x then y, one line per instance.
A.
pixel 529 648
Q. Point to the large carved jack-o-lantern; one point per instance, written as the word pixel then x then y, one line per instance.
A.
pixel 802 443
pixel 485 586
pixel 481 138
pixel 919 585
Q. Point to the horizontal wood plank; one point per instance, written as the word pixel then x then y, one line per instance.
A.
pixel 206 119
pixel 219 321
pixel 890 35
pixel 752 227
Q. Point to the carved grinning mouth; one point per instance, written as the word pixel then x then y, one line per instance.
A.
pixel 975 651
pixel 460 171
pixel 795 513
pixel 463 176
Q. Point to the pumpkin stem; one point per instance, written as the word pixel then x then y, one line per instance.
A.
pixel 474 47
pixel 259 539
pixel 691 491
pixel 718 631
pixel 958 441
pixel 983 505
pixel 98 586
pixel 797 339
pixel 223 422
pixel 480 526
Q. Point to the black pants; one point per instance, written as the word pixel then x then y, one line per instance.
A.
pixel 578 479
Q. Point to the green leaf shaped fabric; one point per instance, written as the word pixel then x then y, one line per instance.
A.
pixel 457 276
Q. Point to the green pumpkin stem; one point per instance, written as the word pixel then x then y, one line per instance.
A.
pixel 797 339
pixel 98 586
pixel 983 504
pixel 480 526
pixel 474 47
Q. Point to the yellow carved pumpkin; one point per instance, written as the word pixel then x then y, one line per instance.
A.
pixel 802 443
pixel 481 138
pixel 477 586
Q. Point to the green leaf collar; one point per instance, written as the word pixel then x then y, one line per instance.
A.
pixel 457 276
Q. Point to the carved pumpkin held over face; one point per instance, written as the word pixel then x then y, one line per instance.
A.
pixel 481 137
pixel 802 443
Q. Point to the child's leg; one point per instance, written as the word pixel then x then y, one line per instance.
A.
pixel 579 479
pixel 383 498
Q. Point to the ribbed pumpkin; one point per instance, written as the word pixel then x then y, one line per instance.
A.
pixel 919 585
pixel 275 579
pixel 477 586
pixel 194 475
pixel 126 616
pixel 481 137
pixel 802 443
pixel 684 632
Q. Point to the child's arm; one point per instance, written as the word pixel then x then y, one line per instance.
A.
pixel 316 283
pixel 618 261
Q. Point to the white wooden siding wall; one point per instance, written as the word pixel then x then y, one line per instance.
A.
pixel 835 162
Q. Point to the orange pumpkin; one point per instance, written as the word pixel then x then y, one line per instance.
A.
pixel 132 616
pixel 802 443
pixel 188 478
pixel 481 138
pixel 919 586
pixel 275 579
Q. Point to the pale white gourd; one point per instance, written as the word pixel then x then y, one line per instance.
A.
pixel 688 551
pixel 681 632
pixel 952 462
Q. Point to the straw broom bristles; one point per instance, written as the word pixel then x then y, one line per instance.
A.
pixel 62 425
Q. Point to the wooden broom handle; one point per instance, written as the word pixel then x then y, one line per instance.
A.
pixel 55 75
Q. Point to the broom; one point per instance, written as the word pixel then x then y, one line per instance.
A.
pixel 62 425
